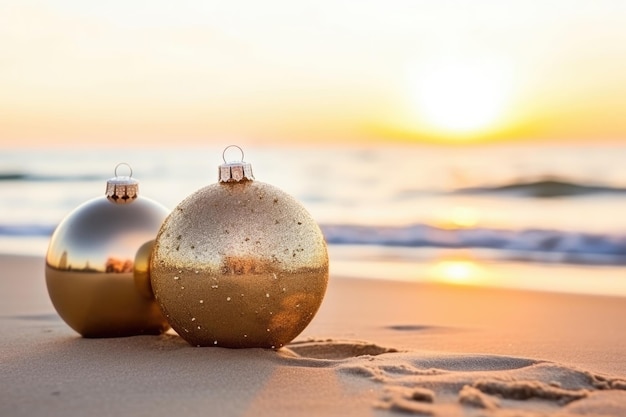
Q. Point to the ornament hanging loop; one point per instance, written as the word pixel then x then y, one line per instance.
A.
pixel 237 171
pixel 227 148
pixel 122 190
pixel 123 164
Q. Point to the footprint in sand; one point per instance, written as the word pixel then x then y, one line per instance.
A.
pixel 410 327
pixel 334 349
pixel 444 384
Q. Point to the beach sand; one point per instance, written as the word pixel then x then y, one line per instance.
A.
pixel 375 348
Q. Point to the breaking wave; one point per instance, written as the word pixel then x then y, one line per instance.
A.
pixel 543 188
pixel 535 245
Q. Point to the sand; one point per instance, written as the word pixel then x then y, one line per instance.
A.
pixel 376 348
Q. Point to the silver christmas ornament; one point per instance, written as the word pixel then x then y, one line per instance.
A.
pixel 97 263
pixel 239 264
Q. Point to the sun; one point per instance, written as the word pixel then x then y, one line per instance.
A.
pixel 458 97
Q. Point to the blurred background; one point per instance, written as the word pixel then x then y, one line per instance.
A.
pixel 474 142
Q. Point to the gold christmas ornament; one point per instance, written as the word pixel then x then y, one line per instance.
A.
pixel 97 263
pixel 239 264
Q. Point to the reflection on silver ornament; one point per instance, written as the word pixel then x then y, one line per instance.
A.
pixel 239 264
pixel 97 263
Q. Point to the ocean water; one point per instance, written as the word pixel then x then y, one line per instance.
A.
pixel 396 212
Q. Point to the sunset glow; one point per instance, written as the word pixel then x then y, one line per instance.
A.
pixel 309 71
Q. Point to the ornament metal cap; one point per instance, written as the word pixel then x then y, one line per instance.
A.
pixel 235 171
pixel 122 189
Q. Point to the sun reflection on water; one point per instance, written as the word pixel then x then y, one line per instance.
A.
pixel 458 271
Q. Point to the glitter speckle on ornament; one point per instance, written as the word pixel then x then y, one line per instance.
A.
pixel 240 236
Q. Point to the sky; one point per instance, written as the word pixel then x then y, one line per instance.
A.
pixel 451 72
